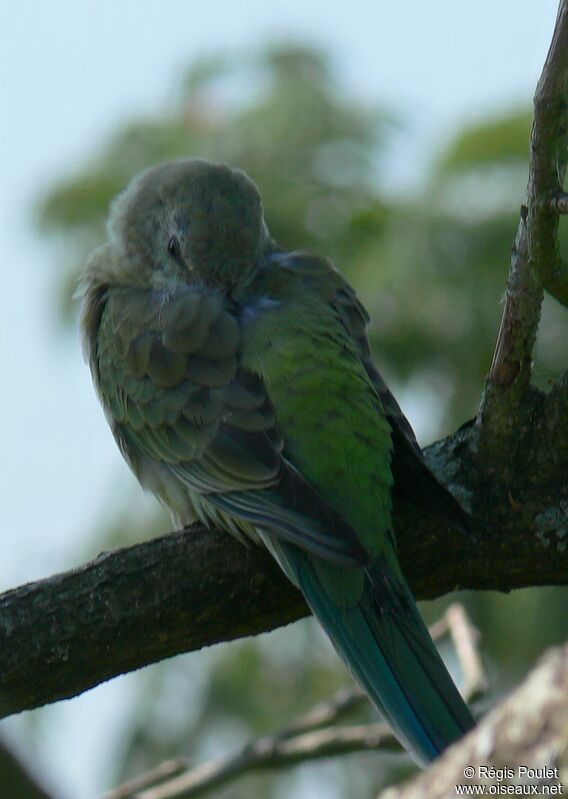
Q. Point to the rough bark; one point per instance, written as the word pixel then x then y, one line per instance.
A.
pixel 549 149
pixel 63 635
pixel 521 743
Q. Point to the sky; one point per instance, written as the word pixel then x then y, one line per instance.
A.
pixel 69 73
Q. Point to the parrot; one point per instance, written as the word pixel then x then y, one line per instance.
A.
pixel 238 382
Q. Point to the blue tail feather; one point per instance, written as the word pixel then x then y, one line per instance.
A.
pixel 388 649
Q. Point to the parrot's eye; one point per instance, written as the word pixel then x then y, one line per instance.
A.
pixel 174 248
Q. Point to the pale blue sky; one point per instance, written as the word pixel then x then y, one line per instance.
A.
pixel 68 73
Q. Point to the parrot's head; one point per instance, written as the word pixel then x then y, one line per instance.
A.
pixel 190 221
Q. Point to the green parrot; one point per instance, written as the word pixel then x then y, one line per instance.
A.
pixel 238 383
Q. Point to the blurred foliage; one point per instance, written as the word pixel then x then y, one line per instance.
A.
pixel 431 270
pixel 496 142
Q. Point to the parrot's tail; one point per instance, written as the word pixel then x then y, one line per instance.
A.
pixel 388 649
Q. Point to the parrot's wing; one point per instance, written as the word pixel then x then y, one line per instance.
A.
pixel 414 482
pixel 167 367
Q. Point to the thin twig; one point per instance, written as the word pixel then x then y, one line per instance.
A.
pixel 535 261
pixel 166 770
pixel 536 246
pixel 327 712
pixel 272 753
pixel 465 638
pixel 512 360
pixel 304 739
pixel 255 753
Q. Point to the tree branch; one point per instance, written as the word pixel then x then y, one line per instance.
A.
pixel 527 731
pixel 549 143
pixel 512 360
pixel 178 774
pixel 126 609
pixel 465 638
pixel 274 753
pixel 535 262
pixel 309 737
